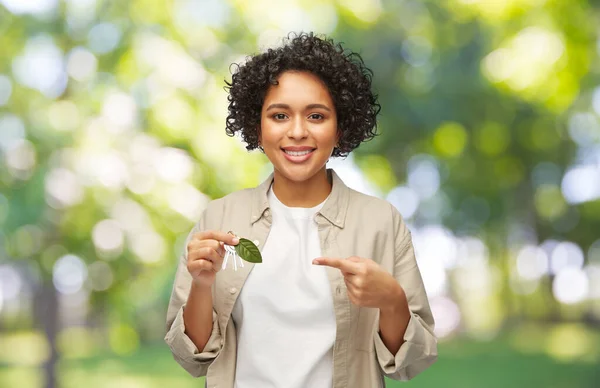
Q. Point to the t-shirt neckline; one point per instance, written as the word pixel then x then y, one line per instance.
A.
pixel 292 212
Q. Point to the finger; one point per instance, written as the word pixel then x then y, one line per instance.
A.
pixel 206 253
pixel 197 244
pixel 227 238
pixel 198 266
pixel 347 274
pixel 355 292
pixel 351 292
pixel 341 264
pixel 354 281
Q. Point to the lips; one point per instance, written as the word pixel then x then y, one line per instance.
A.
pixel 297 154
pixel 298 148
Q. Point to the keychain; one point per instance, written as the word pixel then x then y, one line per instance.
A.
pixel 245 249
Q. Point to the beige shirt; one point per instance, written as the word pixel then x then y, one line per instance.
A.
pixel 350 224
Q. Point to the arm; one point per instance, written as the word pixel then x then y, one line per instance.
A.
pixel 405 343
pixel 393 321
pixel 418 346
pixel 197 316
pixel 183 325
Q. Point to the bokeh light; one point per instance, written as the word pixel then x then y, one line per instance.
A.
pixel 69 274
pixel 173 165
pixel 21 159
pixel 35 7
pixel 104 38
pixel 187 200
pixel 584 128
pixel 532 262
pixel 100 275
pixel 570 286
pixel 81 64
pixel 41 66
pixel 211 13
pixel 423 176
pixel 64 116
pixel 108 238
pixel 405 199
pixel 526 60
pixel 568 342
pixel 148 246
pixel 447 316
pixel 12 131
pixel 10 282
pixel 450 139
pixel 566 255
pixel 581 184
pixel 63 188
pixel 120 110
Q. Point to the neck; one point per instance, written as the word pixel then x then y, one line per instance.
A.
pixel 308 193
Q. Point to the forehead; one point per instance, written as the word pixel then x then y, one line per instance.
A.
pixel 300 87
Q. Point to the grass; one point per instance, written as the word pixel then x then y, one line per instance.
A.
pixel 462 363
pixel 473 364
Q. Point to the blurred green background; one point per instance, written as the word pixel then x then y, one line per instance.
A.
pixel 112 141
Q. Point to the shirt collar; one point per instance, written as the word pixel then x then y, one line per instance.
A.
pixel 334 209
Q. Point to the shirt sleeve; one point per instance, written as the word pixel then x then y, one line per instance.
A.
pixel 183 349
pixel 419 349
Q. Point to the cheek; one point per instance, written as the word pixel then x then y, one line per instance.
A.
pixel 329 136
pixel 265 133
pixel 269 140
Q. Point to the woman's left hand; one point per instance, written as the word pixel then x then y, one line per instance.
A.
pixel 368 285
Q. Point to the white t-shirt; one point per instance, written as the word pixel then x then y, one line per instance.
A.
pixel 284 314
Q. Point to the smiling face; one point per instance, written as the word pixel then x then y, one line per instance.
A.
pixel 298 126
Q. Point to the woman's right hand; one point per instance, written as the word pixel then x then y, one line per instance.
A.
pixel 205 253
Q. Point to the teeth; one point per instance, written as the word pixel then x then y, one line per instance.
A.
pixel 297 153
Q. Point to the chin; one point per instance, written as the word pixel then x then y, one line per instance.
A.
pixel 299 173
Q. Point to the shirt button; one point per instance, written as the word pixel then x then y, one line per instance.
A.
pixel 232 290
pixel 338 290
pixel 256 242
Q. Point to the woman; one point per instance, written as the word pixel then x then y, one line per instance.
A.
pixel 338 300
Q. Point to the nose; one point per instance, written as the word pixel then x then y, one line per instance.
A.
pixel 297 129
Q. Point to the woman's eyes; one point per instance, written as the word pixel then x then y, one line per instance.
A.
pixel 312 116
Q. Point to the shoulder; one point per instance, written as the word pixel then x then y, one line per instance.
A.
pixel 243 196
pixel 377 210
pixel 369 203
pixel 237 201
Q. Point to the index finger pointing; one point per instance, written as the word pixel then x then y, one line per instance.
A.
pixel 341 264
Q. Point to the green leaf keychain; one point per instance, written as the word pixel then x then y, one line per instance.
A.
pixel 245 249
pixel 248 251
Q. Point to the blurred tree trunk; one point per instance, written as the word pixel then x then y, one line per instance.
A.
pixel 47 315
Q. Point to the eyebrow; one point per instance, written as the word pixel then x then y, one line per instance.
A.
pixel 286 106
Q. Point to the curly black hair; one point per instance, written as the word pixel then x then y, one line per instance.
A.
pixel 343 72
